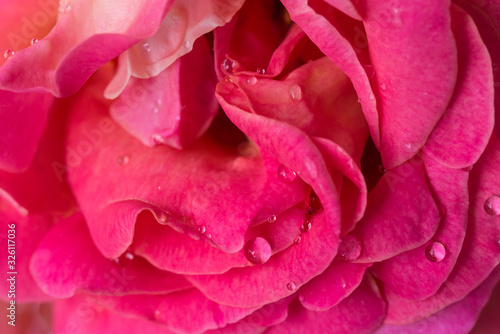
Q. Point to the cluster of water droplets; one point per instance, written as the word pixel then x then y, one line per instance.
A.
pixel 123 160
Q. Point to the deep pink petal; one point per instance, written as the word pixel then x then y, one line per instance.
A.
pixel 480 251
pixel 83 39
pixel 393 222
pixel 457 318
pixel 341 51
pixel 23 118
pixel 362 312
pixel 488 322
pixel 418 85
pixel 469 120
pixel 411 274
pixel 176 106
pixel 67 260
pixel 336 283
pixel 20 236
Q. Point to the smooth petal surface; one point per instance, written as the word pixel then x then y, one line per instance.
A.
pixel 418 85
pixel 362 312
pixel 393 222
pixel 87 35
pixel 176 106
pixel 411 274
pixel 462 134
pixel 61 266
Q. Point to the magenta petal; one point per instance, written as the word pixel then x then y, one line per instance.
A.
pixel 176 106
pixel 419 85
pixel 83 40
pixel 480 251
pixel 411 274
pixel 279 277
pixel 23 116
pixel 187 311
pixel 393 222
pixel 61 266
pixel 457 318
pixel 362 312
pixel 336 283
pixel 19 239
pixel 462 134
pixel 342 53
pixel 346 7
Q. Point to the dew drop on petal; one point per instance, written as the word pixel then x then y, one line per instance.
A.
pixel 228 65
pixel 297 240
pixel 381 169
pixel 251 80
pixel 295 93
pixel 371 97
pixel 261 70
pixel 157 314
pixel 228 80
pixel 359 100
pixel 146 47
pixel 202 229
pixel 33 41
pixel 257 250
pixel 435 252
pixel 492 206
pixel 8 53
pixel 187 44
pixel 125 259
pixel 123 160
pixel 155 110
pixel 306 226
pixel 291 286
pixel 163 218
pixel 158 139
pixel 350 248
pixel 286 175
pixel 271 218
pixel 383 86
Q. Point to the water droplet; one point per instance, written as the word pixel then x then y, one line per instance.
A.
pixel 261 70
pixel 209 236
pixel 297 240
pixel 228 65
pixel 295 93
pixel 359 100
pixel 291 286
pixel 383 86
pixel 286 175
pixel 271 218
pixel 228 80
pixel 157 314
pixel 492 206
pixel 497 242
pixel 155 110
pixel 396 17
pixel 251 80
pixel 202 229
pixel 33 41
pixel 411 147
pixel 257 250
pixel 163 218
pixel 435 252
pixel 381 169
pixel 314 204
pixel 8 53
pixel 187 44
pixel 371 97
pixel 159 187
pixel 123 160
pixel 350 248
pixel 342 282
pixel 311 168
pixel 306 226
pixel 125 259
pixel 146 47
pixel 158 139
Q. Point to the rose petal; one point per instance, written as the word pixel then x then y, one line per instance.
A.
pixel 393 222
pixel 469 119
pixel 169 108
pixel 488 321
pixel 411 274
pixel 61 266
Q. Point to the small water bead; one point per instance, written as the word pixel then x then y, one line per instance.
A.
pixel 187 44
pixel 228 80
pixel 314 204
pixel 350 248
pixel 492 206
pixel 123 160
pixel 33 41
pixel 125 259
pixel 295 93
pixel 297 240
pixel 359 100
pixel 228 65
pixel 271 218
pixel 371 97
pixel 383 86
pixel 163 218
pixel 202 229
pixel 251 80
pixel 155 110
pixel 291 286
pixel 381 169
pixel 158 139
pixel 396 17
pixel 8 53
pixel 286 175
pixel 306 226
pixel 435 252
pixel 261 70
pixel 146 47
pixel 257 250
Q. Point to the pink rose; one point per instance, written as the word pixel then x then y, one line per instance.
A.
pixel 249 167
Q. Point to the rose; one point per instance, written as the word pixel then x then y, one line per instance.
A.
pixel 327 160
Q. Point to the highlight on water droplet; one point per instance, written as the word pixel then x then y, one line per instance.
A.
pixel 33 41
pixel 271 218
pixel 228 65
pixel 158 139
pixel 291 286
pixel 257 250
pixel 297 240
pixel 202 229
pixel 146 47
pixel 187 44
pixel 228 80
pixel 435 252
pixel 123 160
pixel 261 70
pixel 350 248
pixel 381 169
pixel 306 226
pixel 8 53
pixel 492 205
pixel 125 259
pixel 383 86
pixel 286 175
pixel 163 218
pixel 295 93
pixel 251 80
pixel 155 110
pixel 371 97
